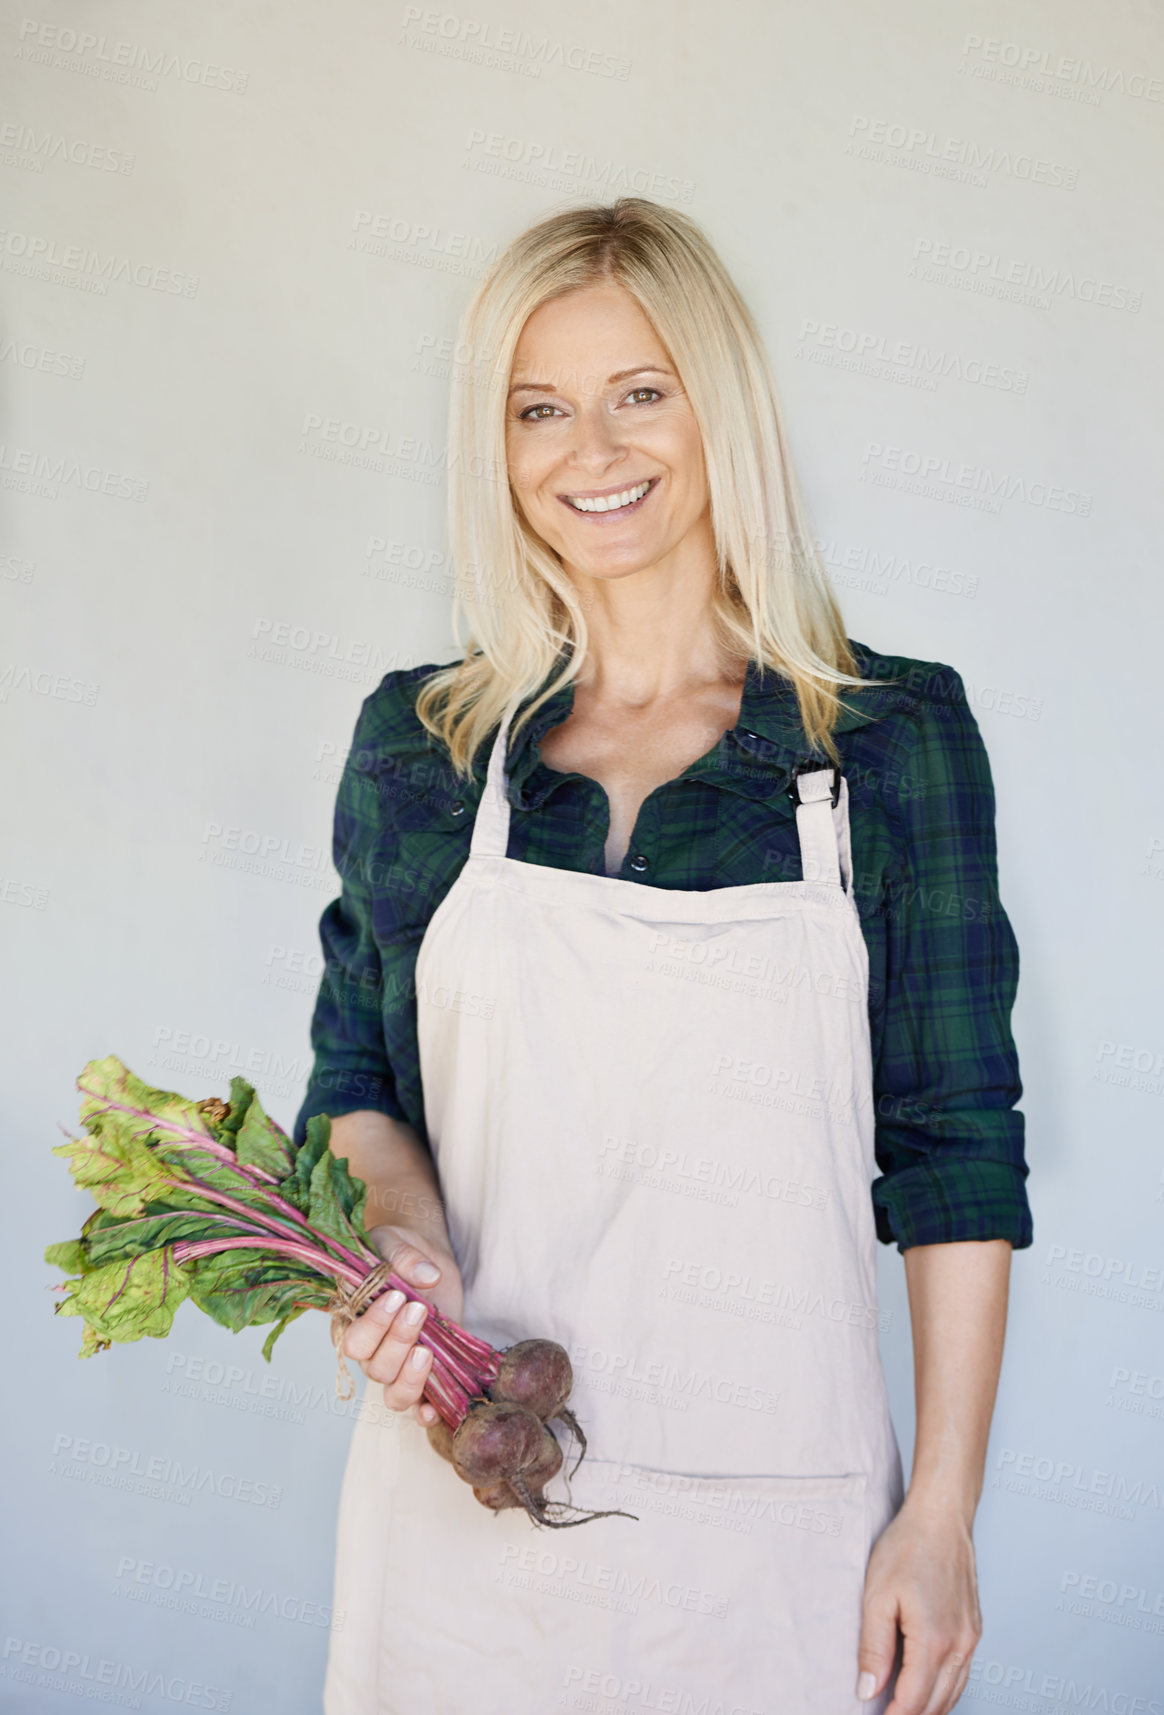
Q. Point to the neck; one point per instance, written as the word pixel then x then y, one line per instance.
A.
pixel 651 633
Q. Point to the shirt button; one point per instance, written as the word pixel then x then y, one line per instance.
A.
pixel 638 862
pixel 457 809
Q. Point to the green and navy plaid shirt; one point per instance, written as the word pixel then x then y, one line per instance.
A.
pixel 943 961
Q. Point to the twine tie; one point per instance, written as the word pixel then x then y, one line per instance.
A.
pixel 346 1304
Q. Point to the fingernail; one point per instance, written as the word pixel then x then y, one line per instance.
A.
pixel 414 1313
pixel 865 1687
pixel 426 1273
pixel 389 1303
pixel 418 1357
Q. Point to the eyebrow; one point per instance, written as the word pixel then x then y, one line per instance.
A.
pixel 622 375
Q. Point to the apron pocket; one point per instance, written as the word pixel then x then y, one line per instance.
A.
pixel 739 1592
pixel 724 1595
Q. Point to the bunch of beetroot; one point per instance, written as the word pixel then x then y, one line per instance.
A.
pixel 504 1446
pixel 211 1201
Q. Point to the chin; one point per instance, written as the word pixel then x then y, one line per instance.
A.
pixel 609 572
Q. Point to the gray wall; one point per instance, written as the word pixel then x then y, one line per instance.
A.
pixel 236 244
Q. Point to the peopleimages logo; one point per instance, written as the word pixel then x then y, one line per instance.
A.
pixel 551 164
pixel 1071 1483
pixel 903 358
pixel 938 474
pixel 129 1468
pixel 927 150
pixel 62 686
pixel 988 1678
pixel 503 48
pixel 32 470
pixel 182 1585
pixel 1027 64
pixel 102 1678
pixel 988 272
pixel 102 57
pixel 33 148
pixel 38 252
pixel 1112 1593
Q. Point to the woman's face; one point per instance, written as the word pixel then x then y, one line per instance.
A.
pixel 604 452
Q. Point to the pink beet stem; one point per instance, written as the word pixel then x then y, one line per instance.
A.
pixel 269 1222
pixel 187 1249
pixel 222 1153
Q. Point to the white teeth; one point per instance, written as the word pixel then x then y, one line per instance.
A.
pixel 611 502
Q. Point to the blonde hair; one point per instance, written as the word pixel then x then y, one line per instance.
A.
pixel 773 602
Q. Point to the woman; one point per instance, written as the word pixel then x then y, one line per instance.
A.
pixel 652 946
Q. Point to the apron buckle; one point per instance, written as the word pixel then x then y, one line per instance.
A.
pixel 793 791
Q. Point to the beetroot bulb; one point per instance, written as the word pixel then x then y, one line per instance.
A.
pixel 537 1374
pixel 495 1440
pixel 502 1445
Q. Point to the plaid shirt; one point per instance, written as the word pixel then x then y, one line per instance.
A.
pixel 943 961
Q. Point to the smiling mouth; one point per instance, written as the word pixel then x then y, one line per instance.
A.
pixel 618 504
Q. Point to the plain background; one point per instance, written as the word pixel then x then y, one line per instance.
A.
pixel 237 241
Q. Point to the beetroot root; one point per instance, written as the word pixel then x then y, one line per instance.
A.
pixel 536 1374
pixel 498 1496
pixel 440 1438
pixel 547 1464
pixel 496 1440
pixel 503 1493
pixel 496 1493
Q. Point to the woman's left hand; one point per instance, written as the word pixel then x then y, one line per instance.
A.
pixel 922 1580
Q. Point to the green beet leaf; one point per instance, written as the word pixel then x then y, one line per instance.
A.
pixel 336 1205
pixel 262 1143
pixel 121 1172
pixel 269 1342
pixel 241 1288
pixel 242 1094
pixel 118 1105
pixel 108 1239
pixel 194 1169
pixel 151 1159
pixel 297 1186
pixel 126 1301
pixel 69 1255
pixel 91 1342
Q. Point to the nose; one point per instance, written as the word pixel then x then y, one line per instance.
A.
pixel 596 440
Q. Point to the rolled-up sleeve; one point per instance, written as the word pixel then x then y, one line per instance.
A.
pixel 949 1140
pixel 351 1069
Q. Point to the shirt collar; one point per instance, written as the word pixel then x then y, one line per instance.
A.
pixel 750 758
pixel 524 752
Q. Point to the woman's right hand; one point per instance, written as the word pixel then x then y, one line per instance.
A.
pixel 383 1340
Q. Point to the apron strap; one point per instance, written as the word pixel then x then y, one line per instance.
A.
pixel 491 827
pixel 824 830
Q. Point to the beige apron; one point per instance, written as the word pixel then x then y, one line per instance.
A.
pixel 652 1114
